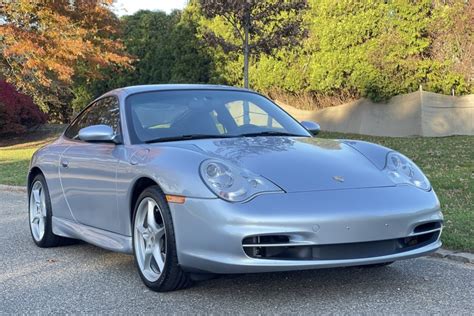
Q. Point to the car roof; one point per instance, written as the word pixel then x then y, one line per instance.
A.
pixel 157 87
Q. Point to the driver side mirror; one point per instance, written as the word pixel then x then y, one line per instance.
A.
pixel 98 133
pixel 312 127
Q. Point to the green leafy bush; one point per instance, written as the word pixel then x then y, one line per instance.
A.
pixel 374 49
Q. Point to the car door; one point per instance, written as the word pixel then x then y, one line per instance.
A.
pixel 88 169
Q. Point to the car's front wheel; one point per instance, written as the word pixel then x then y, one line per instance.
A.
pixel 40 214
pixel 154 245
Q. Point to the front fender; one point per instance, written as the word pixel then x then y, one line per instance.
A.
pixel 373 152
pixel 175 170
pixel 46 160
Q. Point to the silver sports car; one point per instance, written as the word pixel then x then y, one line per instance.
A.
pixel 200 179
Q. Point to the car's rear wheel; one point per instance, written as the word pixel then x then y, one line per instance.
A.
pixel 154 244
pixel 40 214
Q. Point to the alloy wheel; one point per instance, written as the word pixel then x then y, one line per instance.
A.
pixel 150 239
pixel 37 210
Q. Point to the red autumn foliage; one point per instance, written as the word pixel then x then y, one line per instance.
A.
pixel 17 111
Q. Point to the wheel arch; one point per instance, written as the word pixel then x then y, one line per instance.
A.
pixel 32 174
pixel 138 187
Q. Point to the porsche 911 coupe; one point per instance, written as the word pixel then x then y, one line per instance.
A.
pixel 200 179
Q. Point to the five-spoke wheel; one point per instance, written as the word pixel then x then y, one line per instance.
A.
pixel 37 210
pixel 40 214
pixel 154 244
pixel 150 241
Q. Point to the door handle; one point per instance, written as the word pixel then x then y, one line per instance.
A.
pixel 64 163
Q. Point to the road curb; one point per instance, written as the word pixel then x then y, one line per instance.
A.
pixel 15 188
pixel 459 256
pixel 442 253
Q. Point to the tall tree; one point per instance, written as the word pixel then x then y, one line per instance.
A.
pixel 45 44
pixel 258 26
pixel 166 50
pixel 451 32
pixel 376 49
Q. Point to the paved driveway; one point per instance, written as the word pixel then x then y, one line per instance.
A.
pixel 83 278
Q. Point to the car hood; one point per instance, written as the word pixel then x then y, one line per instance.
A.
pixel 299 163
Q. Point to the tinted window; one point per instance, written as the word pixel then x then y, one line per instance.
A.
pixel 104 111
pixel 162 114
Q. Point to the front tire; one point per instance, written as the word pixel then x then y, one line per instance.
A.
pixel 154 243
pixel 40 214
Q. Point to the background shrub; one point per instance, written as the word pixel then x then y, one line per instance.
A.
pixel 18 113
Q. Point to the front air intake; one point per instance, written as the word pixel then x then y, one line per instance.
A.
pixel 281 248
pixel 426 227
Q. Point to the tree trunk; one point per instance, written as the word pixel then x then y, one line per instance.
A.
pixel 246 48
pixel 246 63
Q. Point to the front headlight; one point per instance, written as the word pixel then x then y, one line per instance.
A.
pixel 232 183
pixel 402 170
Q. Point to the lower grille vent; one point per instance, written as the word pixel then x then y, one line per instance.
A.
pixel 427 227
pixel 277 247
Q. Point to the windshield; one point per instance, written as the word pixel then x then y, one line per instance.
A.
pixel 182 114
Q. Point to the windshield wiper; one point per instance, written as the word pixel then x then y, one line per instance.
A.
pixel 269 133
pixel 208 136
pixel 185 137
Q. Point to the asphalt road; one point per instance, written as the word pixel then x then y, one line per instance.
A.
pixel 86 279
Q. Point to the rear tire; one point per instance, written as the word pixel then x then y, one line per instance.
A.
pixel 154 243
pixel 40 214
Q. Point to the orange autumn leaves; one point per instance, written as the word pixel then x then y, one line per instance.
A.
pixel 45 44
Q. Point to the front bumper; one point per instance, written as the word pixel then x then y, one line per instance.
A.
pixel 210 232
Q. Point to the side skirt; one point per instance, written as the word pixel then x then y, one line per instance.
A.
pixel 98 237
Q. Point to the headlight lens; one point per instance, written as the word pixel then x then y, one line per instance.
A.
pixel 232 183
pixel 402 170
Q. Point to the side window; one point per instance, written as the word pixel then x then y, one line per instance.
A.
pixel 104 111
pixel 256 115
